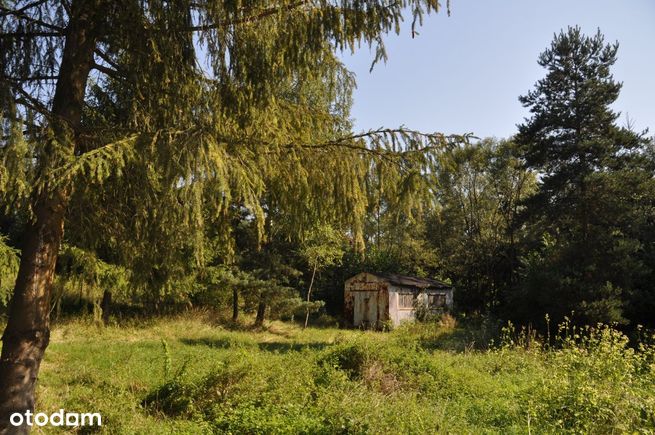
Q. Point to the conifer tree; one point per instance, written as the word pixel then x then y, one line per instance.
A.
pixel 188 91
pixel 573 142
pixel 572 131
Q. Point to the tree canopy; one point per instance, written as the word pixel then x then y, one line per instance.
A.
pixel 177 111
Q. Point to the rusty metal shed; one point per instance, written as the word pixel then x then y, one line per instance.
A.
pixel 372 299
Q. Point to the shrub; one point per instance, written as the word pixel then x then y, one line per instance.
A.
pixel 601 384
pixel 349 358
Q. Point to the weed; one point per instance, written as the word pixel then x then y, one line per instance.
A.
pixel 419 378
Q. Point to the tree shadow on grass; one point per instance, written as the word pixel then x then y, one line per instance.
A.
pixel 282 347
pixel 270 346
pixel 218 343
pixel 457 340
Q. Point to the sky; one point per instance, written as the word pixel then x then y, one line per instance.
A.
pixel 464 73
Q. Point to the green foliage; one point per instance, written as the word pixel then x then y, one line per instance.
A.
pixel 193 113
pixel 475 230
pixel 214 283
pixel 15 163
pixel 261 126
pixel 9 262
pixel 594 191
pixel 77 267
pixel 605 386
pixel 288 380
pixel 323 246
pixel 572 131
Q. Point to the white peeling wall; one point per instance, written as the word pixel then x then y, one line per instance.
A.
pixel 400 315
pixel 396 314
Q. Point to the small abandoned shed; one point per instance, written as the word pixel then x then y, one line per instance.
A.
pixel 372 299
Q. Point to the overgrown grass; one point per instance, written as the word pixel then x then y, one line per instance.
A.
pixel 183 375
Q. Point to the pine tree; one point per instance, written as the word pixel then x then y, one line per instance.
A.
pixel 572 131
pixel 573 142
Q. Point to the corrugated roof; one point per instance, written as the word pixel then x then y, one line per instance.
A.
pixel 413 281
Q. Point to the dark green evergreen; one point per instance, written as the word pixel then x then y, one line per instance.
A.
pixel 584 213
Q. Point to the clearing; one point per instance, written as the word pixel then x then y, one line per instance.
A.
pixel 185 375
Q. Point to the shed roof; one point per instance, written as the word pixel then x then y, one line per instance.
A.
pixel 413 281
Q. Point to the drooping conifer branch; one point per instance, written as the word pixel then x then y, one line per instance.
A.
pixel 149 135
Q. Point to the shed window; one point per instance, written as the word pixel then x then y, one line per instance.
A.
pixel 437 301
pixel 406 300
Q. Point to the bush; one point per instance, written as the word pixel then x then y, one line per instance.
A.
pixel 9 262
pixel 602 385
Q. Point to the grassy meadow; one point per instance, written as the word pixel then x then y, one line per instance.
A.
pixel 187 375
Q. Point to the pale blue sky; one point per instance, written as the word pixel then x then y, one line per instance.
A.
pixel 464 73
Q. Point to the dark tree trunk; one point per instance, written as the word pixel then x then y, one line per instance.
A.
pixel 105 305
pixel 261 311
pixel 28 328
pixel 235 304
pixel 27 333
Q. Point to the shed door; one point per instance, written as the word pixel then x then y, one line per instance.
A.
pixel 366 308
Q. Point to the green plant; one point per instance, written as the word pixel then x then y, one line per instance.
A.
pixel 9 262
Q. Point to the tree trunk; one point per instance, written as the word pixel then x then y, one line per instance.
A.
pixel 28 328
pixel 261 311
pixel 27 333
pixel 105 305
pixel 235 304
pixel 309 294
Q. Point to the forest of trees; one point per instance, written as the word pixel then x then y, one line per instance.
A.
pixel 201 154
